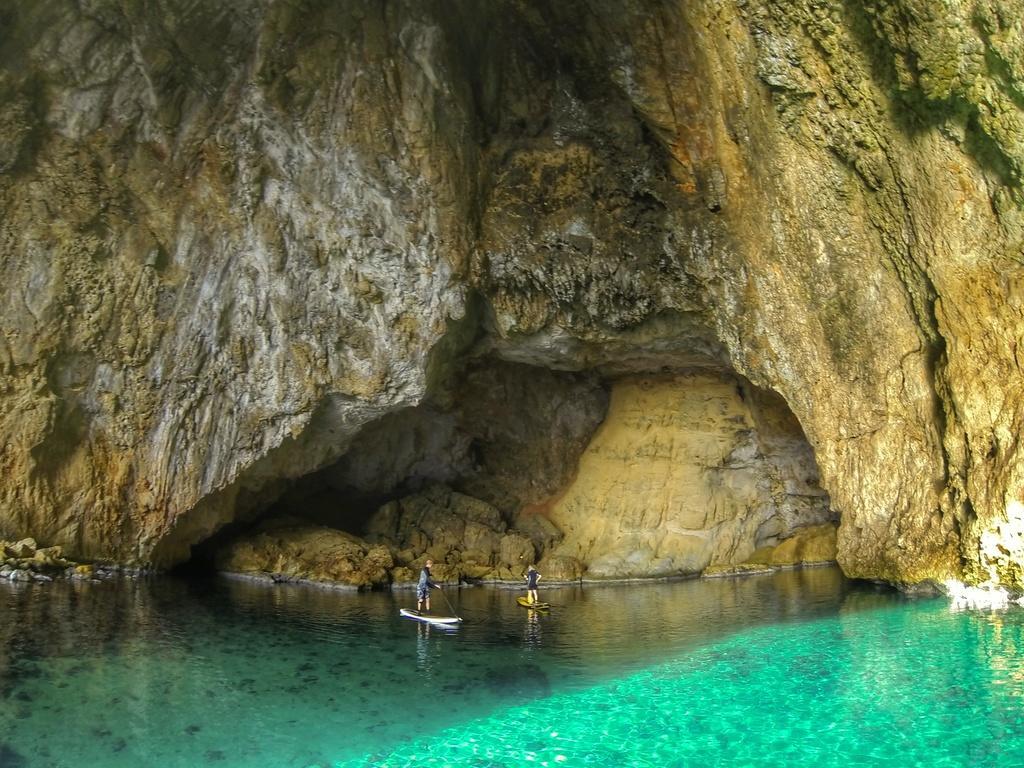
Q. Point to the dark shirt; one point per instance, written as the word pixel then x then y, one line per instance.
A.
pixel 531 579
pixel 425 582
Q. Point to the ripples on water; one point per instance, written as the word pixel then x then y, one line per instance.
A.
pixel 799 668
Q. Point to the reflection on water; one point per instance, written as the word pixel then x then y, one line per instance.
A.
pixel 230 673
pixel 533 634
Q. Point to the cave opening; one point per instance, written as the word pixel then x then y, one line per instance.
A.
pixel 590 475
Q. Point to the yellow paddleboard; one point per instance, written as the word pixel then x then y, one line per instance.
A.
pixel 536 606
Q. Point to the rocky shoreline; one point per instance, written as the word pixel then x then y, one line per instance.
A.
pixel 737 571
pixel 466 548
pixel 25 561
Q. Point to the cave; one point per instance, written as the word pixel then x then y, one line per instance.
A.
pixel 596 474
pixel 232 274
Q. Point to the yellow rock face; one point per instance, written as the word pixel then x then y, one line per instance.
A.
pixel 814 544
pixel 686 471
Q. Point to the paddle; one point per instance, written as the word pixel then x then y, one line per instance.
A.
pixel 441 590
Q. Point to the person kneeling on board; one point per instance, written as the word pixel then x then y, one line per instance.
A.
pixel 532 577
pixel 424 586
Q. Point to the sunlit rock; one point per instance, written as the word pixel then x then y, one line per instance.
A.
pixel 811 545
pixel 1001 547
pixel 686 472
pixel 558 568
pixel 991 596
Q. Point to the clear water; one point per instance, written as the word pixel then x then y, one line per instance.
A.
pixel 797 669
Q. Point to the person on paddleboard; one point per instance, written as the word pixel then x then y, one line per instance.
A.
pixel 424 586
pixel 532 577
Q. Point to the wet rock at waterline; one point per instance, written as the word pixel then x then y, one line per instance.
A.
pixel 233 237
pixel 464 537
pixel 25 561
pixel 289 550
pixel 814 545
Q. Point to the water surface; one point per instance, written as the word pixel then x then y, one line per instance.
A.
pixel 799 668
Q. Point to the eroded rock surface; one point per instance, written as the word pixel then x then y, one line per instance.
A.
pixel 686 472
pixel 233 236
pixel 294 551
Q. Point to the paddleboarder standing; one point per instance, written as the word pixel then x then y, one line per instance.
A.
pixel 424 586
pixel 532 577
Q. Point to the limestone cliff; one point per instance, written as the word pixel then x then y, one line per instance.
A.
pixel 687 472
pixel 234 236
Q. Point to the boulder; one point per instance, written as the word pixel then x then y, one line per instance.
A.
pixel 516 550
pixel 560 568
pixel 384 524
pixel 86 571
pixel 462 535
pixel 50 557
pixel 21 549
pixel 476 571
pixel 308 553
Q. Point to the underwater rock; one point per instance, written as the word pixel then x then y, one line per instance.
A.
pixel 11 758
pixel 526 681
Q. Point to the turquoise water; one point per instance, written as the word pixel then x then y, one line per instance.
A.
pixel 800 668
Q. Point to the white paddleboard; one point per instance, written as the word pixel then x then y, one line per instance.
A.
pixel 409 614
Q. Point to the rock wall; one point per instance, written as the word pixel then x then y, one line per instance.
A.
pixel 226 231
pixel 509 435
pixel 686 472
pixel 233 236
